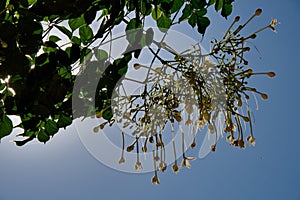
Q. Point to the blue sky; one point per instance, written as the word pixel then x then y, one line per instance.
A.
pixel 64 169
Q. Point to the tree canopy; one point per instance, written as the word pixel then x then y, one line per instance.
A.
pixel 36 72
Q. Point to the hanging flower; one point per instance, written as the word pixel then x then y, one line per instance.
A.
pixel 186 161
pixel 155 179
pixel 251 140
pixel 122 160
pixel 175 168
pixel 162 166
pixel 272 25
pixel 138 166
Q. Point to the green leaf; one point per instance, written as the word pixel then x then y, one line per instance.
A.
pixel 226 10
pixel 30 2
pixel 64 121
pixel 198 4
pixel 76 23
pixel 186 12
pixel 2 86
pixel 193 20
pixel 218 5
pixel 86 34
pixel 64 30
pixel 156 13
pixel 123 70
pixel 107 114
pixel 164 23
pixel 133 24
pixel 86 55
pixel 146 8
pixel 54 38
pixel 201 12
pixel 90 15
pixel 177 4
pixel 42 59
pixel 43 136
pixel 6 126
pixel 202 23
pixel 76 40
pixel 51 127
pixel 211 2
pixel 74 52
pixel 101 55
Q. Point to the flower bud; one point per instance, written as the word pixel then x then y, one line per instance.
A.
pixel 130 148
pixel 237 18
pixel 264 96
pixel 258 12
pixel 271 74
pixel 193 145
pixel 246 119
pixel 213 148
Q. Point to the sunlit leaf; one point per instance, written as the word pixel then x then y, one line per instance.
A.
pixel 211 2
pixel 54 38
pixel 76 40
pixel 164 23
pixel 86 34
pixel 76 23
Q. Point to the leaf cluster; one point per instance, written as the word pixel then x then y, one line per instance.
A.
pixel 36 70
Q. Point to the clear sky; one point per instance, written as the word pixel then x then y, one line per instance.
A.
pixel 63 169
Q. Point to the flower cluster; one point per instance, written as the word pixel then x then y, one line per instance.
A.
pixel 194 91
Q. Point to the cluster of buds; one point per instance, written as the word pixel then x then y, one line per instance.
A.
pixel 233 67
pixel 190 90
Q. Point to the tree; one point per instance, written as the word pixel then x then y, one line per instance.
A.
pixel 37 79
pixel 43 82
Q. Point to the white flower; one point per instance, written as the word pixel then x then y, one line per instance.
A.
pixel 138 166
pixel 273 23
pixel 186 161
